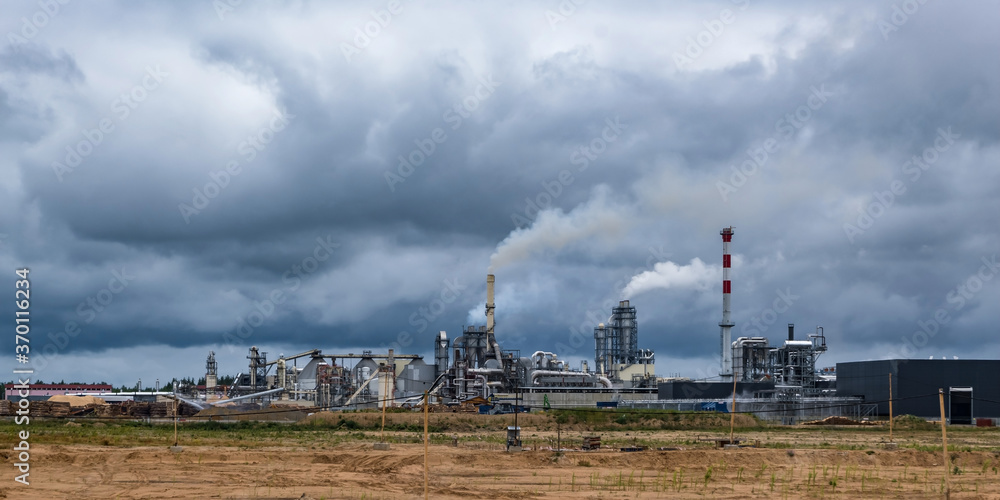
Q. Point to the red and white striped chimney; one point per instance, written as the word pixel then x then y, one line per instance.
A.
pixel 726 324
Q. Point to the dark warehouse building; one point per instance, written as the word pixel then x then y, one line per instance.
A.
pixel 971 387
pixel 689 389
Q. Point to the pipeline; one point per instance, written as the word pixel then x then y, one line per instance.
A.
pixel 537 373
pixel 539 356
pixel 485 387
pixel 485 371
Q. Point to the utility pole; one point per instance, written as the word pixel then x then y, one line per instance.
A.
pixel 517 402
pixel 176 447
pixel 732 413
pixel 385 389
pixel 944 442
pixel 890 407
pixel 425 443
pixel 558 436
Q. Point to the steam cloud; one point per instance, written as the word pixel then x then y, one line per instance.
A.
pixel 667 274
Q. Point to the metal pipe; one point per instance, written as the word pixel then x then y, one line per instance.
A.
pixel 496 347
pixel 481 371
pixel 485 388
pixel 538 356
pixel 249 396
pixel 538 373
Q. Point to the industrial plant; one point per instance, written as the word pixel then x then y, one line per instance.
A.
pixel 781 380
pixel 473 364
pixel 778 381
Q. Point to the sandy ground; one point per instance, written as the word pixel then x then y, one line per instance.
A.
pixel 355 470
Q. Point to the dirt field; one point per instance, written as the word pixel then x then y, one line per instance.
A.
pixel 356 471
pixel 119 461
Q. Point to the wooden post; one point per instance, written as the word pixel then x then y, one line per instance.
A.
pixel 732 413
pixel 425 444
pixel 890 407
pixel 175 420
pixel 944 442
pixel 385 389
pixel 517 401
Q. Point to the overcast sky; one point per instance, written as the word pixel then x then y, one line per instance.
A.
pixel 183 177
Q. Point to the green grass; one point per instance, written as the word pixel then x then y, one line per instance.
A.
pixel 631 419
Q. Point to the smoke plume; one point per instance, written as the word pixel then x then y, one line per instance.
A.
pixel 695 275
pixel 553 229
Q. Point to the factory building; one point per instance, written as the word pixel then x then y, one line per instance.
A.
pixel 971 387
pixel 472 365
pixel 616 352
pixel 42 392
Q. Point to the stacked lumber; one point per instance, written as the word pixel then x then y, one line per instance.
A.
pixel 108 410
pixel 186 410
pixel 161 410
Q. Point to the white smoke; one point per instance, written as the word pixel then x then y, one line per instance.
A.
pixel 696 275
pixel 553 229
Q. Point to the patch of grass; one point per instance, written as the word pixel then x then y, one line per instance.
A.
pixel 632 419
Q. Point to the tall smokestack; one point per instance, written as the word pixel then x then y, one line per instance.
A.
pixel 791 331
pixel 489 305
pixel 726 325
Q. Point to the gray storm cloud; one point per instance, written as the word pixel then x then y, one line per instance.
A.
pixel 853 160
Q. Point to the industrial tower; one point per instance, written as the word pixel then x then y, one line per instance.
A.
pixel 211 373
pixel 726 325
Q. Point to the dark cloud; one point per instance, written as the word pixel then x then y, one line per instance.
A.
pixel 519 104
